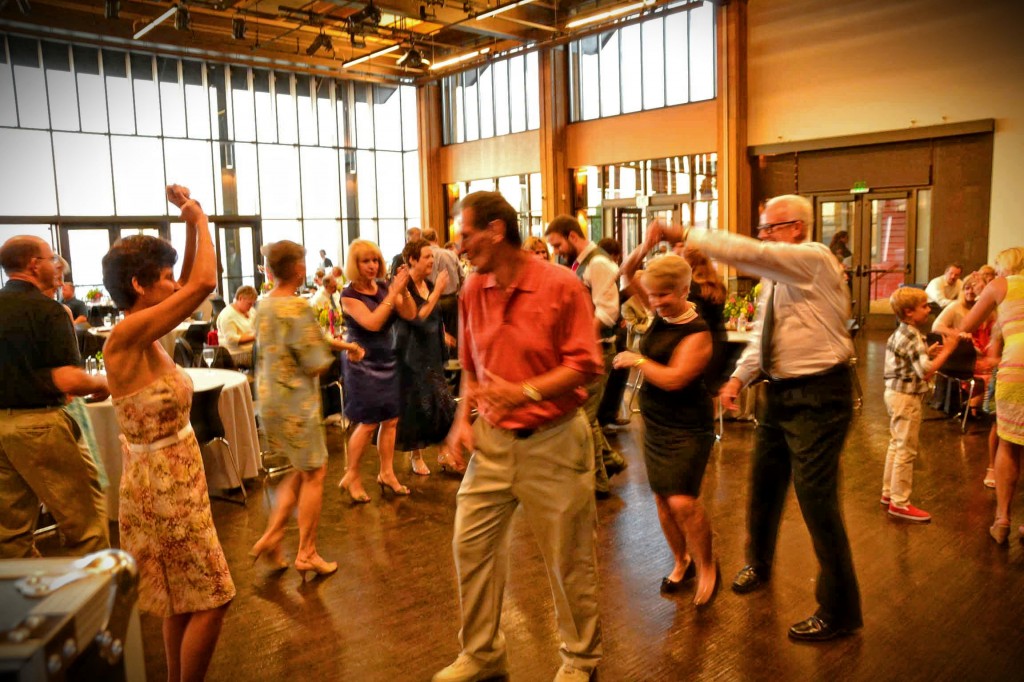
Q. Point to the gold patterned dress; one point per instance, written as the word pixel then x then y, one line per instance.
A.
pixel 165 518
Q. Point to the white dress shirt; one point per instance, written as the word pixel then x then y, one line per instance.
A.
pixel 812 303
pixel 321 298
pixel 232 325
pixel 601 277
pixel 940 292
pixel 449 262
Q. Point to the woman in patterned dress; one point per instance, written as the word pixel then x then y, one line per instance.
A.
pixel 291 353
pixel 371 387
pixel 165 519
pixel 1006 292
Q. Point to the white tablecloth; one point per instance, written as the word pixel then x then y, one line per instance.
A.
pixel 167 340
pixel 236 411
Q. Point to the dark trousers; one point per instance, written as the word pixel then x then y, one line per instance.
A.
pixel 615 387
pixel 800 434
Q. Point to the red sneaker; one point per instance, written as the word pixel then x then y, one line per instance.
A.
pixel 909 513
pixel 885 500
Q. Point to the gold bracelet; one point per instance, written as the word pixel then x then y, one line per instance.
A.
pixel 531 392
pixel 389 304
pixel 640 361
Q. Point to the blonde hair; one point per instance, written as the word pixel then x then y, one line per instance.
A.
pixel 246 291
pixel 531 245
pixel 987 273
pixel 906 298
pixel 705 276
pixel 669 271
pixel 1010 261
pixel 356 250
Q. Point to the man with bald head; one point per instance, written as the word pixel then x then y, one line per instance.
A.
pixel 801 345
pixel 40 457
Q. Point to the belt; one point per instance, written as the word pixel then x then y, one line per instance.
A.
pixel 797 382
pixel 522 434
pixel 140 448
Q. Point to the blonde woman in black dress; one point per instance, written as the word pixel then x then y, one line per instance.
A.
pixel 678 418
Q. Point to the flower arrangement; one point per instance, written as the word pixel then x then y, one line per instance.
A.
pixel 93 295
pixel 739 310
pixel 266 287
pixel 328 319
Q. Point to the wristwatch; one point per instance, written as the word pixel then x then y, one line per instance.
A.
pixel 531 392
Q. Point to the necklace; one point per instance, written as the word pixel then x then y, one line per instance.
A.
pixel 688 315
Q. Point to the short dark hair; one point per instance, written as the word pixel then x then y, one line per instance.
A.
pixel 565 225
pixel 414 249
pixel 18 252
pixel 139 256
pixel 610 246
pixel 488 206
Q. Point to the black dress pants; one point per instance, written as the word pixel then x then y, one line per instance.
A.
pixel 800 435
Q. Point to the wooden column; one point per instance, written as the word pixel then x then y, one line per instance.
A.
pixel 554 117
pixel 432 193
pixel 735 212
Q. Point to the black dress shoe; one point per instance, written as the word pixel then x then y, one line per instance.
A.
pixel 673 586
pixel 748 580
pixel 814 629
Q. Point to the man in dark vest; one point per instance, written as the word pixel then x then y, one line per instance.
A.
pixel 600 276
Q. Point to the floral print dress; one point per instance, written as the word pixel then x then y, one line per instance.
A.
pixel 291 352
pixel 165 520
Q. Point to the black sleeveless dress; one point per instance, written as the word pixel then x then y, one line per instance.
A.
pixel 678 425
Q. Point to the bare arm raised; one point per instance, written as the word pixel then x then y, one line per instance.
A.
pixel 144 325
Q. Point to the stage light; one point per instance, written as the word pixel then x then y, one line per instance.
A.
pixel 111 9
pixel 238 28
pixel 182 20
pixel 323 40
pixel 370 14
pixel 413 59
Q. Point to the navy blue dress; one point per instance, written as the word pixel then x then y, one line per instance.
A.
pixel 371 385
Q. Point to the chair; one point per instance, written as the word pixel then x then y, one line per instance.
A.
pixel 958 370
pixel 195 336
pixel 183 356
pixel 222 358
pixel 209 429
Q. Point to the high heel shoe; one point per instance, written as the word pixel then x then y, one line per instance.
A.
pixel 317 566
pixel 702 605
pixel 400 490
pixel 272 558
pixel 999 532
pixel 418 466
pixel 346 489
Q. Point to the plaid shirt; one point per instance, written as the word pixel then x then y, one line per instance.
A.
pixel 906 361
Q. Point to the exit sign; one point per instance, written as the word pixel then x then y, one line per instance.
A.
pixel 859 187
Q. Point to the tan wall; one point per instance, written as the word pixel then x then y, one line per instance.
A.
pixel 685 129
pixel 491 158
pixel 820 68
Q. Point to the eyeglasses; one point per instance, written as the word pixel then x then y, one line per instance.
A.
pixel 54 258
pixel 770 228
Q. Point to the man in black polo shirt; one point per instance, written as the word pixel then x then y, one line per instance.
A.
pixel 79 312
pixel 40 459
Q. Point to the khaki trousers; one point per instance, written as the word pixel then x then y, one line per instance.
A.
pixel 551 474
pixel 42 460
pixel 904 431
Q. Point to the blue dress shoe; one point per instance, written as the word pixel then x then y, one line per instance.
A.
pixel 748 580
pixel 814 629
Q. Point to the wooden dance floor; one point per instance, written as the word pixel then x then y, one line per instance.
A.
pixel 941 601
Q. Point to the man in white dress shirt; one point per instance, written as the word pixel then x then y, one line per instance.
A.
pixel 945 288
pixel 800 342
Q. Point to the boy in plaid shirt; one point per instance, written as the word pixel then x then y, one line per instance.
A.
pixel 909 367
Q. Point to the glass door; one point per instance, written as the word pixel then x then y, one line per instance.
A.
pixel 237 251
pixel 628 229
pixel 872 236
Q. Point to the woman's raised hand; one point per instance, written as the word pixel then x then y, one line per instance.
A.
pixel 180 196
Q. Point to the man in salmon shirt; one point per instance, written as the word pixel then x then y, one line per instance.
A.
pixel 526 343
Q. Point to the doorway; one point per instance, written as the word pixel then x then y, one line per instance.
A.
pixel 875 236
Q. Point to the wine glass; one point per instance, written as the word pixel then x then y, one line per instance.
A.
pixel 208 356
pixel 91 365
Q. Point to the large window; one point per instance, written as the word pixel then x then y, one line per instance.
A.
pixel 523 192
pixel 498 98
pixel 91 133
pixel 665 60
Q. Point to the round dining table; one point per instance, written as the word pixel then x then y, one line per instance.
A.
pixel 236 413
pixel 167 340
